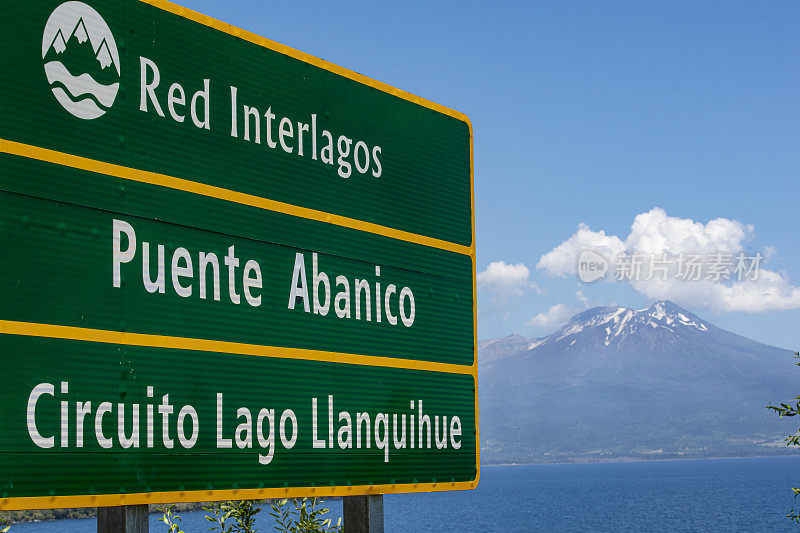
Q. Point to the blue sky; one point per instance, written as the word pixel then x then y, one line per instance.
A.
pixel 596 112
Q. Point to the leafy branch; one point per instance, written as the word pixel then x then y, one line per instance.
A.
pixel 282 515
pixel 169 518
pixel 241 513
pixel 303 516
pixel 782 410
pixel 220 513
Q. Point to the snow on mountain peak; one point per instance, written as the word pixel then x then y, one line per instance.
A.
pixel 665 313
pixel 616 324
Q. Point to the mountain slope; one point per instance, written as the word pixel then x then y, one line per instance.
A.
pixel 619 382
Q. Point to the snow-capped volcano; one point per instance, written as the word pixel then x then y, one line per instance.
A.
pixel 619 325
pixel 627 380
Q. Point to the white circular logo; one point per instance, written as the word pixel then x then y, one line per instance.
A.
pixel 80 60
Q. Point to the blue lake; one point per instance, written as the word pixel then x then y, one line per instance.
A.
pixel 751 494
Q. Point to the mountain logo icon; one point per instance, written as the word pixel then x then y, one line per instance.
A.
pixel 81 60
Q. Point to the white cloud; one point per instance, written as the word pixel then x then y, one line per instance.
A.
pixel 553 317
pixel 656 232
pixel 563 260
pixel 582 299
pixel 772 291
pixel 505 282
pixel 558 314
pixel 655 235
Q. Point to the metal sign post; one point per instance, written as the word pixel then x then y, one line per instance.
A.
pixel 123 519
pixel 363 514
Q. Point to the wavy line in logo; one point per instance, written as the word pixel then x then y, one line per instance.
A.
pixel 81 61
pixel 80 95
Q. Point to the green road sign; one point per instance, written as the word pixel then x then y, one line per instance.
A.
pixel 230 270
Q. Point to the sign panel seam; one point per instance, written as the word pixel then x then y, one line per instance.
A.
pixel 211 191
pixel 31 329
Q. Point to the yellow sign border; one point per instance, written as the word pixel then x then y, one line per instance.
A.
pixel 51 502
pixel 8 327
pixel 251 37
pixel 53 331
pixel 212 191
pixel 139 498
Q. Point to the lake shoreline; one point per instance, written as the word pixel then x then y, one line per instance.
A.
pixel 570 461
pixel 50 515
pixel 706 495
